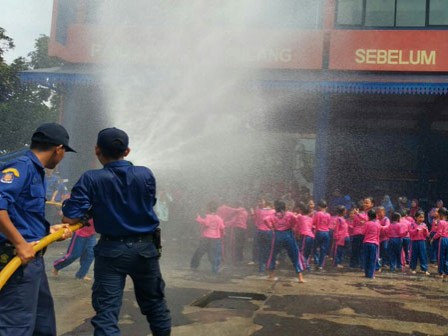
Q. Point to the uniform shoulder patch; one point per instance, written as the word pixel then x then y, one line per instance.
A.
pixel 11 170
pixel 9 174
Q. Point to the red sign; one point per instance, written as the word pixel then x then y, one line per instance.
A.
pixel 249 48
pixel 387 50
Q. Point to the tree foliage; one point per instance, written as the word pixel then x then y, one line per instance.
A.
pixel 39 58
pixel 6 43
pixel 23 107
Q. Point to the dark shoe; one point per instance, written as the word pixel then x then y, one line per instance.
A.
pixel 161 333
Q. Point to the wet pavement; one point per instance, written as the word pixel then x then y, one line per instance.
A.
pixel 237 302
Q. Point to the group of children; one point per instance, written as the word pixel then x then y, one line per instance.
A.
pixel 275 234
pixel 372 239
pixel 367 234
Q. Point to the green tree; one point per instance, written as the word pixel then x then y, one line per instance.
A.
pixel 6 43
pixel 39 58
pixel 6 77
pixel 23 106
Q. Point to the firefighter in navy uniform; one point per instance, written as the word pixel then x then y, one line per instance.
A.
pixel 26 305
pixel 121 198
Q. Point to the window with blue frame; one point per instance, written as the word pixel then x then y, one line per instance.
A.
pixel 289 13
pixel 380 13
pixel 350 12
pixel 411 13
pixel 438 13
pixel 284 14
pixel 388 14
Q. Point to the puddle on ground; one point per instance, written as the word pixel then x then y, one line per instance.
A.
pixel 407 289
pixel 230 300
pixel 298 305
pixel 276 325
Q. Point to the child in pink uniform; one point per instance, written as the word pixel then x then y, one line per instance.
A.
pixel 406 239
pixel 235 221
pixel 210 242
pixel 264 235
pixel 371 232
pixel 81 246
pixel 442 235
pixel 357 257
pixel 434 243
pixel 341 236
pixel 321 223
pixel 331 252
pixel 384 239
pixel 261 203
pixel 283 223
pixel 350 220
pixel 418 232
pixel 396 231
pixel 312 207
pixel 304 234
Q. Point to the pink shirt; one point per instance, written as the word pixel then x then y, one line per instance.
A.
pixel 406 224
pixel 333 222
pixel 341 231
pixel 304 226
pixel 418 232
pixel 372 230
pixel 384 222
pixel 397 230
pixel 86 231
pixel 442 230
pixel 212 226
pixel 434 226
pixel 280 221
pixel 227 213
pixel 321 221
pixel 350 226
pixel 260 216
pixel 239 220
pixel 358 223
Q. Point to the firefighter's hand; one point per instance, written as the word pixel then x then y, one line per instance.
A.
pixel 66 227
pixel 25 252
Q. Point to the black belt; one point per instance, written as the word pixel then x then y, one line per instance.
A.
pixel 147 237
pixel 9 250
pixel 40 253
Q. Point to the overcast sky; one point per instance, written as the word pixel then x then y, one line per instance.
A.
pixel 24 21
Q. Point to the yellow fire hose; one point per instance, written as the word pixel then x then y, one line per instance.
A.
pixel 16 262
pixel 58 204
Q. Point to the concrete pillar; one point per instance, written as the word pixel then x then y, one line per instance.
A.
pixel 321 156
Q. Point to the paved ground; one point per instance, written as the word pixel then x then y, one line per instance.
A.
pixel 236 302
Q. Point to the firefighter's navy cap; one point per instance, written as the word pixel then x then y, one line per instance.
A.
pixel 113 139
pixel 53 134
